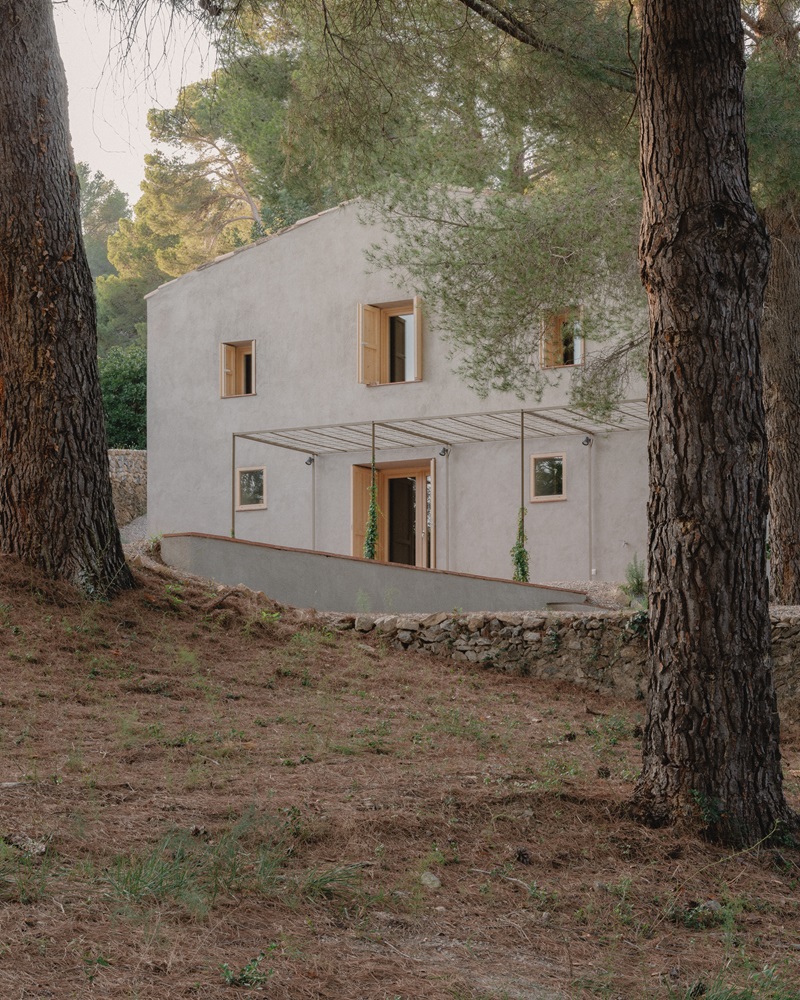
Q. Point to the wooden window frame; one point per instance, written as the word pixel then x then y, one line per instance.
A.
pixel 373 340
pixel 251 506
pixel 551 336
pixel 555 497
pixel 232 354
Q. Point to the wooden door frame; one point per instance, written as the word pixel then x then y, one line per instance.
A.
pixel 395 470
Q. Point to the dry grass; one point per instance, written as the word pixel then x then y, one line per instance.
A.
pixel 194 779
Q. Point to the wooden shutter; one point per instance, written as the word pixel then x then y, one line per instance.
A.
pixel 369 344
pixel 228 374
pixel 362 478
pixel 418 335
pixel 383 512
pixel 551 352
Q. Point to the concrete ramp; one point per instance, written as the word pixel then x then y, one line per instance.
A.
pixel 330 582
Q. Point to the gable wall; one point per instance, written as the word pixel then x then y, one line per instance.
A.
pixel 296 295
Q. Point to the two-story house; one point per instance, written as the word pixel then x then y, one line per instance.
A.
pixel 275 370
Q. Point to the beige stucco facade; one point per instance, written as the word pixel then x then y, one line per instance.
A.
pixel 296 297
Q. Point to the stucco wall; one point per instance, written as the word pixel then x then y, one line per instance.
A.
pixel 335 583
pixel 296 295
pixel 128 470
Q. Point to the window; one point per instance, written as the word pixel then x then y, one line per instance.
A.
pixel 561 343
pixel 251 492
pixel 547 477
pixel 238 368
pixel 390 343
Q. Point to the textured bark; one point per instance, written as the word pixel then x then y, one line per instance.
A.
pixel 780 360
pixel 780 349
pixel 55 495
pixel 711 744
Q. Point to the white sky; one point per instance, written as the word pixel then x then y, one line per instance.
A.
pixel 110 93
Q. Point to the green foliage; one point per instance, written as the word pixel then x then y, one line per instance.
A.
pixel 102 206
pixel 638 623
pixel 519 552
pixel 373 513
pixel 193 872
pixel 249 975
pixel 121 310
pixel 123 381
pixel 635 586
pixel 491 266
pixel 773 123
pixel 427 89
pixel 326 882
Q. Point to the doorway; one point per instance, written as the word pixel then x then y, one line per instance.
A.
pixel 406 512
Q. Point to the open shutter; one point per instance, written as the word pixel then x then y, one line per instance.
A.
pixel 369 343
pixel 362 478
pixel 383 517
pixel 551 353
pixel 418 335
pixel 228 363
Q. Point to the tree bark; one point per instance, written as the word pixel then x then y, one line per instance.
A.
pixel 56 510
pixel 780 348
pixel 780 359
pixel 711 757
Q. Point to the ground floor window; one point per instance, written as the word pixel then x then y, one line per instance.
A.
pixel 251 488
pixel 547 477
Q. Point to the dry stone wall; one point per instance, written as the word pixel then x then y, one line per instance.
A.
pixel 128 483
pixel 600 650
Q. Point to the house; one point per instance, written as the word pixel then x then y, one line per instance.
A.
pixel 275 370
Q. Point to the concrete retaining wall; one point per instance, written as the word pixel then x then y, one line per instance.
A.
pixel 599 650
pixel 128 483
pixel 328 582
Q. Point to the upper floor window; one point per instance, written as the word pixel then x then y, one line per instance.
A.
pixel 390 343
pixel 561 343
pixel 238 368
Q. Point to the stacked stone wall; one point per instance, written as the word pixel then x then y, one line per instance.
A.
pixel 600 650
pixel 128 483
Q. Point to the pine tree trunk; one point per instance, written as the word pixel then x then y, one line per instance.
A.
pixel 780 359
pixel 711 744
pixel 56 510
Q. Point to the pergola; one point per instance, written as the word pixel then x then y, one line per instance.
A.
pixel 447 431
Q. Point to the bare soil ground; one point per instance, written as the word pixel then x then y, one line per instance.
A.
pixel 203 792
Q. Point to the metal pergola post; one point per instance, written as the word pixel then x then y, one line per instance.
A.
pixel 521 459
pixel 233 487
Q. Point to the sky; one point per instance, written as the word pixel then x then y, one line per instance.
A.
pixel 110 92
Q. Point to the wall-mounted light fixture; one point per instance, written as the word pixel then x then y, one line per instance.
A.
pixel 444 451
pixel 587 440
pixel 310 460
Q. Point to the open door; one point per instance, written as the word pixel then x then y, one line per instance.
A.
pixel 406 502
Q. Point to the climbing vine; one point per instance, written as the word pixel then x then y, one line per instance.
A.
pixel 519 553
pixel 371 534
